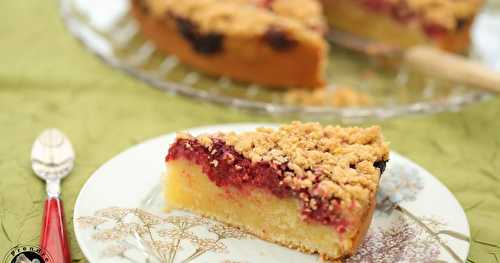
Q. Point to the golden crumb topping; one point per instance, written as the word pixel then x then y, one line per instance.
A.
pixel 329 162
pixel 307 11
pixel 246 18
pixel 338 97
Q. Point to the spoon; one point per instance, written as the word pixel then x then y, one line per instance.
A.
pixel 52 158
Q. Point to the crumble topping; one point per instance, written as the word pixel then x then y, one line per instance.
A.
pixel 246 18
pixel 332 164
pixel 307 11
pixel 341 96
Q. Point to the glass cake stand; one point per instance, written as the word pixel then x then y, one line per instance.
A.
pixel 107 29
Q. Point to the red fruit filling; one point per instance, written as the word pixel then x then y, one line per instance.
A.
pixel 264 3
pixel 401 12
pixel 226 167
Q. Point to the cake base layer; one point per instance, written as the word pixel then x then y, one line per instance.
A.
pixel 350 16
pixel 256 211
pixel 241 58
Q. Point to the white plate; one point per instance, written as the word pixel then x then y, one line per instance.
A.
pixel 118 217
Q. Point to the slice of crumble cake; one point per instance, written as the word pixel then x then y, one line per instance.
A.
pixel 303 185
pixel 278 43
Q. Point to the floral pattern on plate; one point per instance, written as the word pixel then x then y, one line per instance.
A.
pixel 161 237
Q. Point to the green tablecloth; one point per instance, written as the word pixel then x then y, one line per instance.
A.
pixel 47 79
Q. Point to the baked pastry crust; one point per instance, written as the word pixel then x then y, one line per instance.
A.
pixel 325 177
pixel 240 39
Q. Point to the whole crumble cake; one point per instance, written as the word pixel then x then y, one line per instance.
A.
pixel 302 185
pixel 280 43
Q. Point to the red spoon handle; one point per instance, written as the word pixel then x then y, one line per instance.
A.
pixel 53 238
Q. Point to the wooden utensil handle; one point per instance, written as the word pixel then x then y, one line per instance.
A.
pixel 452 67
pixel 53 238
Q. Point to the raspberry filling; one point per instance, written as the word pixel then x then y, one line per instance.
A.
pixel 204 43
pixel 226 167
pixel 267 4
pixel 401 12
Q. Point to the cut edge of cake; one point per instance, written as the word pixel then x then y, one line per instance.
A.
pixel 268 49
pixel 338 249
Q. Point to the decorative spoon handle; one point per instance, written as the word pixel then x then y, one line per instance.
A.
pixel 53 238
pixel 452 67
